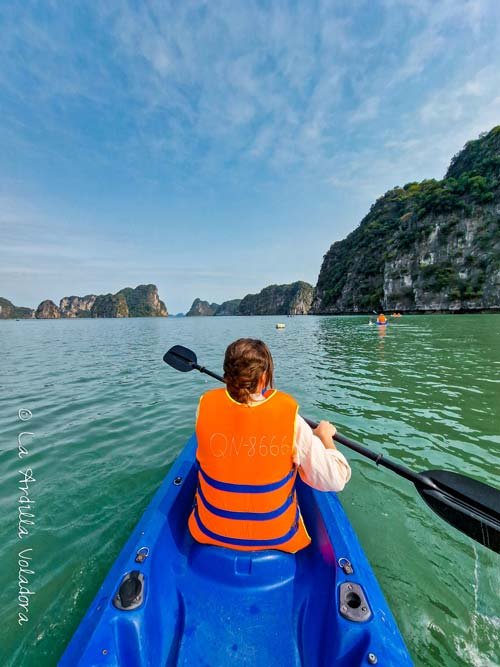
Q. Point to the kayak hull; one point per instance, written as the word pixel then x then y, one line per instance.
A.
pixel 205 605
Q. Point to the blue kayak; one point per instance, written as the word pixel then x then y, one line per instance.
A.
pixel 171 601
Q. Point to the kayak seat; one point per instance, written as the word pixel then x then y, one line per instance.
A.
pixel 250 587
pixel 242 568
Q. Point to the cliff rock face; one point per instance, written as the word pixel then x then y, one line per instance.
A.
pixel 47 310
pixel 202 308
pixel 427 246
pixel 293 299
pixel 110 305
pixel 143 301
pixel 77 306
pixel 9 311
pixel 229 307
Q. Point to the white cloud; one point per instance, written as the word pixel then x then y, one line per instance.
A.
pixel 205 83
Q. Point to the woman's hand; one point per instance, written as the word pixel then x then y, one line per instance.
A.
pixel 325 432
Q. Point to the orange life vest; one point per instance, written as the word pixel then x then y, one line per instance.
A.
pixel 246 496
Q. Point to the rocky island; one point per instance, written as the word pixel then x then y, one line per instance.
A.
pixel 201 308
pixel 292 299
pixel 143 301
pixel 425 247
pixel 8 311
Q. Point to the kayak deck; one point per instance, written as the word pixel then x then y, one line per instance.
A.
pixel 258 604
pixel 205 605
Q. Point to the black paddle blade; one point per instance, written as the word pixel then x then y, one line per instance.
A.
pixel 180 358
pixel 466 504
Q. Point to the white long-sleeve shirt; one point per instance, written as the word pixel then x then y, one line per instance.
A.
pixel 323 469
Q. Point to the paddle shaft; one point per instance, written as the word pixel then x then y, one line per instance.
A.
pixel 202 369
pixel 402 471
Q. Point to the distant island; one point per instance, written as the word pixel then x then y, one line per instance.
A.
pixel 143 301
pixel 293 299
pixel 425 247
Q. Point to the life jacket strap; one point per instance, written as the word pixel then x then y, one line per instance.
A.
pixel 245 488
pixel 248 543
pixel 246 516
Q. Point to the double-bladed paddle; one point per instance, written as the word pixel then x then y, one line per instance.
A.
pixel 470 506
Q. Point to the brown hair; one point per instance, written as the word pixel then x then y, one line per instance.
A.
pixel 246 360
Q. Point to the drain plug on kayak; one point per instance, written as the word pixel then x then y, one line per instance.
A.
pixel 353 603
pixel 130 594
pixel 372 658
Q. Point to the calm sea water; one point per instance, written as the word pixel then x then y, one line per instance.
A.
pixel 109 418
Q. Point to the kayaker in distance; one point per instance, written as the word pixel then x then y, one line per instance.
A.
pixel 251 444
pixel 381 319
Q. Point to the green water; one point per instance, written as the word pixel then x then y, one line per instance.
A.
pixel 108 419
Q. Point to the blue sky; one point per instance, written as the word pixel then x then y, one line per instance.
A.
pixel 214 148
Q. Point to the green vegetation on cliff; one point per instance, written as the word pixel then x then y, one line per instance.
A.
pixel 201 308
pixel 230 307
pixel 426 246
pixel 292 299
pixel 9 311
pixel 110 305
pixel 143 301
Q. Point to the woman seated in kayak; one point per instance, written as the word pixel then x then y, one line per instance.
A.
pixel 251 444
pixel 381 319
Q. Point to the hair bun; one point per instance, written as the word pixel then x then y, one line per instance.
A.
pixel 245 362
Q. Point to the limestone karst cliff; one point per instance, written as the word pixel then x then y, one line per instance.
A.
pixel 9 311
pixel 77 306
pixel 292 299
pixel 110 305
pixel 427 246
pixel 47 310
pixel 143 301
pixel 228 307
pixel 201 308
